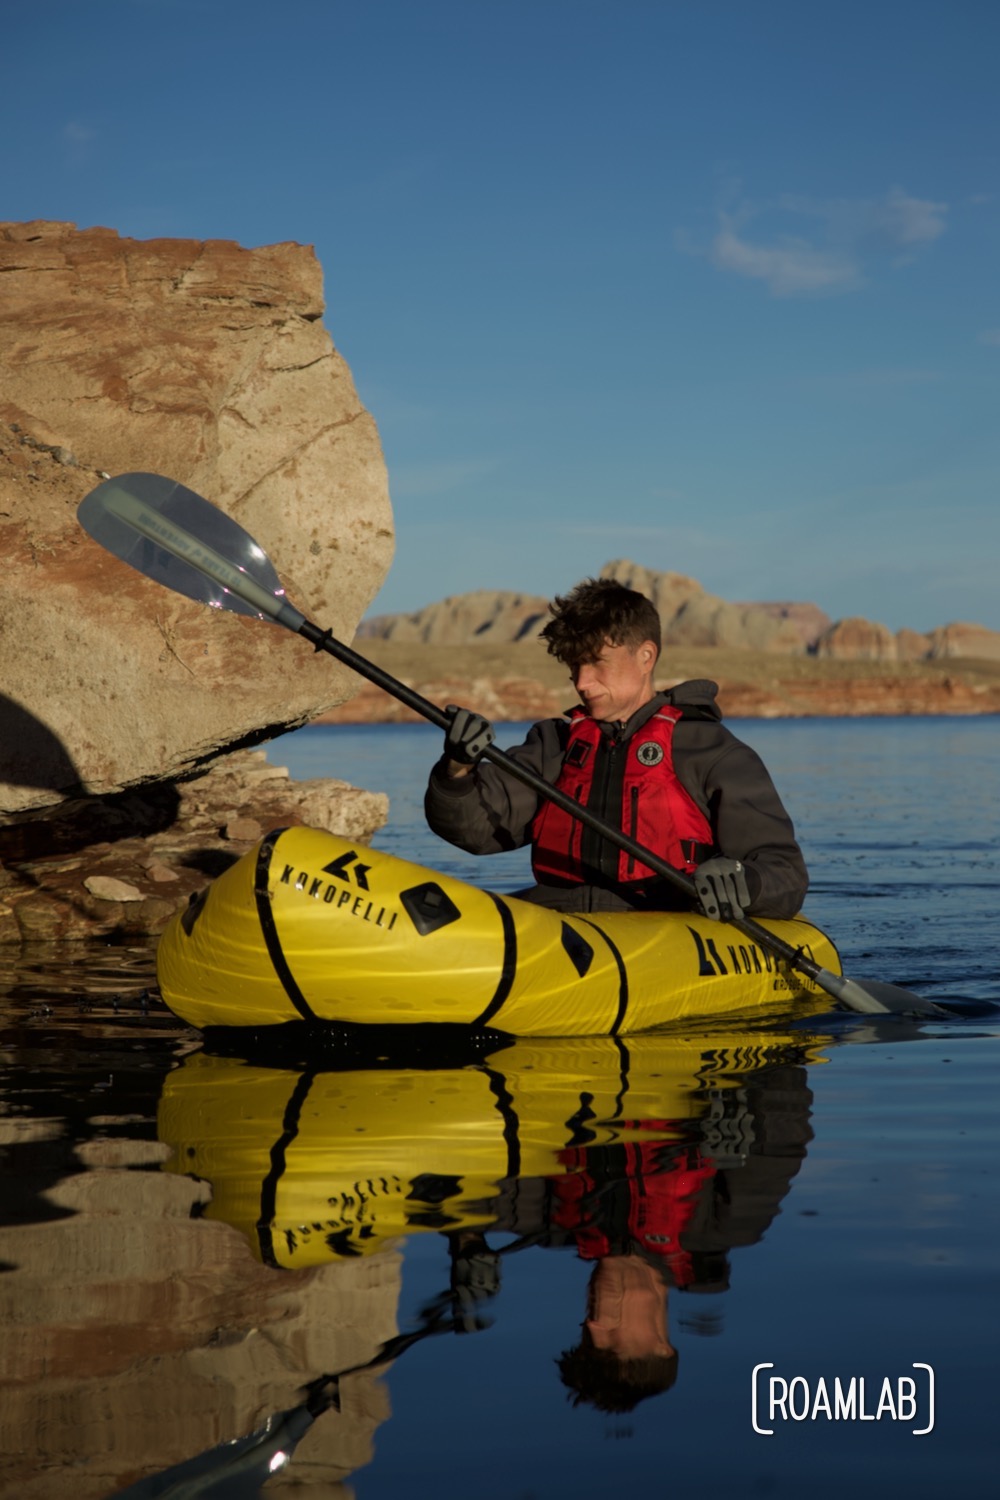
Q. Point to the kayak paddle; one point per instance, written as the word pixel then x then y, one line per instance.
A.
pixel 174 536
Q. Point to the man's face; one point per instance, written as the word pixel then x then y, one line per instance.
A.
pixel 627 1310
pixel 618 682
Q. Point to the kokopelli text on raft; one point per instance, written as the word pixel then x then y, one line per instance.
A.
pixel 777 1400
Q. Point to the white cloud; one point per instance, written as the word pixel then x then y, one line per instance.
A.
pixel 790 268
pixel 895 221
pixel 853 236
pixel 910 221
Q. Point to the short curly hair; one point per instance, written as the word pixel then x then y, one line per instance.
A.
pixel 599 1378
pixel 596 613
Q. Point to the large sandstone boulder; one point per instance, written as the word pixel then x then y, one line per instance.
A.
pixel 206 362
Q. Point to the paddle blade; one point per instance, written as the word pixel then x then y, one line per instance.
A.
pixel 175 537
pixel 873 997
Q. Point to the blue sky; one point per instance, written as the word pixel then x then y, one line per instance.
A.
pixel 710 284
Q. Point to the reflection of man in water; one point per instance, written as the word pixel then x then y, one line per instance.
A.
pixel 627 1206
pixel 624 1353
pixel 656 1211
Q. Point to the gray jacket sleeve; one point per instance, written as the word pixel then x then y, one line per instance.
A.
pixel 488 811
pixel 731 783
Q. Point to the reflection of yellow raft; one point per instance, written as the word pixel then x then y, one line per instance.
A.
pixel 316 1166
pixel 310 926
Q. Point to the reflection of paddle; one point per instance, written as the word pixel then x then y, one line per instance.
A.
pixel 179 539
pixel 238 1469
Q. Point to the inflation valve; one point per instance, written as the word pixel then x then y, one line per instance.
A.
pixel 429 907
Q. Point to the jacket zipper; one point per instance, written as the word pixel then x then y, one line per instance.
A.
pixel 594 850
pixel 575 827
pixel 610 856
pixel 633 827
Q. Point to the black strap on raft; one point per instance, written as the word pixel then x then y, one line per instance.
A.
pixel 622 979
pixel 269 1187
pixel 268 927
pixel 508 968
pixel 511 1128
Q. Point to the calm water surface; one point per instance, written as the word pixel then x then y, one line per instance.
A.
pixel 193 1245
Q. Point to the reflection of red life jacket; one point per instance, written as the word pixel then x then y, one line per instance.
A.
pixel 661 1199
pixel 654 809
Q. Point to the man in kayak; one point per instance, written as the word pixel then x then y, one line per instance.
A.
pixel 658 765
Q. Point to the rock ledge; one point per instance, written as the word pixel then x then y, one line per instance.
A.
pixel 119 867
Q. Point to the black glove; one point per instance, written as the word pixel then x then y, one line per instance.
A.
pixel 722 888
pixel 475 1278
pixel 467 735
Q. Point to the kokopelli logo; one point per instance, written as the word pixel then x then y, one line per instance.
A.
pixel 339 869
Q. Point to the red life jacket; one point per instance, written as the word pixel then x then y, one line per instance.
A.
pixel 661 1200
pixel 655 809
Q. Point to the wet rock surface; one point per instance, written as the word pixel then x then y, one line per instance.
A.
pixel 120 866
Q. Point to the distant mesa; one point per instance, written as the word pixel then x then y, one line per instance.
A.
pixel 463 619
pixel 691 617
pixel 859 640
pixel 962 640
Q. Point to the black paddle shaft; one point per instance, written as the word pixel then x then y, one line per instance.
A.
pixel 173 535
pixel 324 640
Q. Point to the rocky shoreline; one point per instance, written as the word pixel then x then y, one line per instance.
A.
pixel 117 868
